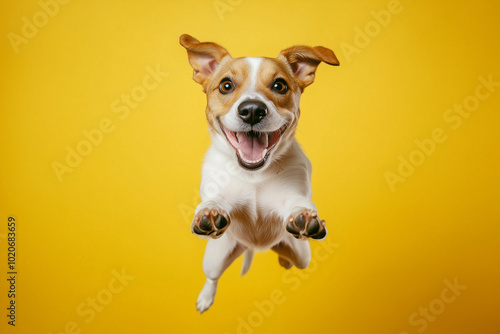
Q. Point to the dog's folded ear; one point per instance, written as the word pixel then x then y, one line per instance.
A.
pixel 305 59
pixel 203 57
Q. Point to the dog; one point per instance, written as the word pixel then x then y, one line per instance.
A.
pixel 256 181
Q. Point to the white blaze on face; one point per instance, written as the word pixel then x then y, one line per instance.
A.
pixel 254 72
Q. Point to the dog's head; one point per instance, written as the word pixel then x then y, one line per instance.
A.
pixel 253 103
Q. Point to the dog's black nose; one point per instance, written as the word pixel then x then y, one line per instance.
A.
pixel 252 112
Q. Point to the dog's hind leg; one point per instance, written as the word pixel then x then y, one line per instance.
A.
pixel 219 254
pixel 293 252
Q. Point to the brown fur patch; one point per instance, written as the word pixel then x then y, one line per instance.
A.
pixel 270 70
pixel 258 232
pixel 218 104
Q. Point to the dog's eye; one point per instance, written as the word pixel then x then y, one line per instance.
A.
pixel 226 86
pixel 280 86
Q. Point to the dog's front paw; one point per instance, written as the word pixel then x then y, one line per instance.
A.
pixel 211 222
pixel 306 224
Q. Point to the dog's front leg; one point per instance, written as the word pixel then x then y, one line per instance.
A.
pixel 213 215
pixel 210 220
pixel 302 219
pixel 219 254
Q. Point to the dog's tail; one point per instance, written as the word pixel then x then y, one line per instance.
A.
pixel 247 261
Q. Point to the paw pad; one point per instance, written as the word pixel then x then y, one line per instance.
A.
pixel 307 224
pixel 210 222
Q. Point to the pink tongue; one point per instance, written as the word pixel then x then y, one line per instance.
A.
pixel 252 145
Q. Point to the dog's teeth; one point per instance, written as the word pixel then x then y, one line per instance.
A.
pixel 264 153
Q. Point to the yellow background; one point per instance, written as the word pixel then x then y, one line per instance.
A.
pixel 128 204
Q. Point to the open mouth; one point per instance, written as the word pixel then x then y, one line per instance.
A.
pixel 253 148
